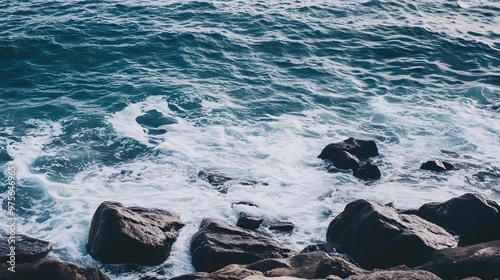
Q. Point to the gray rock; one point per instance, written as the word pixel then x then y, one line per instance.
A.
pixel 472 216
pixel 376 236
pixel 396 274
pixel 120 234
pixel 47 269
pixel 249 221
pixel 27 249
pixel 480 260
pixel 437 165
pixel 218 244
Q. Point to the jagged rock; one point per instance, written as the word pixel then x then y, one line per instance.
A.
pixel 27 249
pixel 47 269
pixel 410 274
pixel 217 244
pixel 281 226
pixel 472 216
pixel 367 171
pixel 249 221
pixel 234 272
pixel 480 260
pixel 437 165
pixel 120 234
pixel 376 236
pixel 362 149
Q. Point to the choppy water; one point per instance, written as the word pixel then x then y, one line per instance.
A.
pixel 128 101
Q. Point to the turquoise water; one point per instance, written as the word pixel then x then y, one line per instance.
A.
pixel 128 101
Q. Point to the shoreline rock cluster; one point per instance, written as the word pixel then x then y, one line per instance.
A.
pixel 454 239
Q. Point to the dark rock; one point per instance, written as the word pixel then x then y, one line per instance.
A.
pixel 362 149
pixel 437 165
pixel 367 172
pixel 411 274
pixel 247 203
pixel 27 249
pixel 217 244
pixel 376 236
pixel 338 267
pixel 213 179
pixel 306 265
pixel 120 234
pixel 480 260
pixel 282 226
pixel 472 216
pixel 193 276
pixel 249 221
pixel 324 247
pixel 47 269
pixel 345 160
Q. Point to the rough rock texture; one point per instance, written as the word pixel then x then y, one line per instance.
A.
pixel 249 221
pixel 306 265
pixel 47 269
pixel 376 236
pixel 396 274
pixel 362 149
pixel 472 216
pixel 255 277
pixel 437 165
pixel 480 260
pixel 367 171
pixel 281 226
pixel 27 249
pixel 120 234
pixel 324 247
pixel 234 272
pixel 217 244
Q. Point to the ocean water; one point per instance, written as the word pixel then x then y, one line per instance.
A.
pixel 130 100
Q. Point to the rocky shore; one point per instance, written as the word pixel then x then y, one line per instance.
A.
pixel 454 239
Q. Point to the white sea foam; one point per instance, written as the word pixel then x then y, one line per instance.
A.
pixel 280 152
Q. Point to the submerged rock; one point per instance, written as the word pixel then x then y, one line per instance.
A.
pixel 218 244
pixel 362 149
pixel 27 249
pixel 353 154
pixel 437 165
pixel 53 270
pixel 367 172
pixel 472 216
pixel 480 260
pixel 376 236
pixel 120 234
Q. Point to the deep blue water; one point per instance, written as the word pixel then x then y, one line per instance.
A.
pixel 130 100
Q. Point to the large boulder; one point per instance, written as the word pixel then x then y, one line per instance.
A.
pixel 217 244
pixel 377 236
pixel 472 216
pixel 120 234
pixel 480 260
pixel 47 269
pixel 361 149
pixel 27 249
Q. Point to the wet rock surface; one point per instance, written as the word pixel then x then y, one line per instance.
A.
pixel 376 236
pixel 27 249
pixel 120 234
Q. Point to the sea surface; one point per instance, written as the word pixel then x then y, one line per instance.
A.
pixel 130 100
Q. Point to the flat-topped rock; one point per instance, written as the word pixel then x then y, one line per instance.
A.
pixel 218 244
pixel 53 270
pixel 27 249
